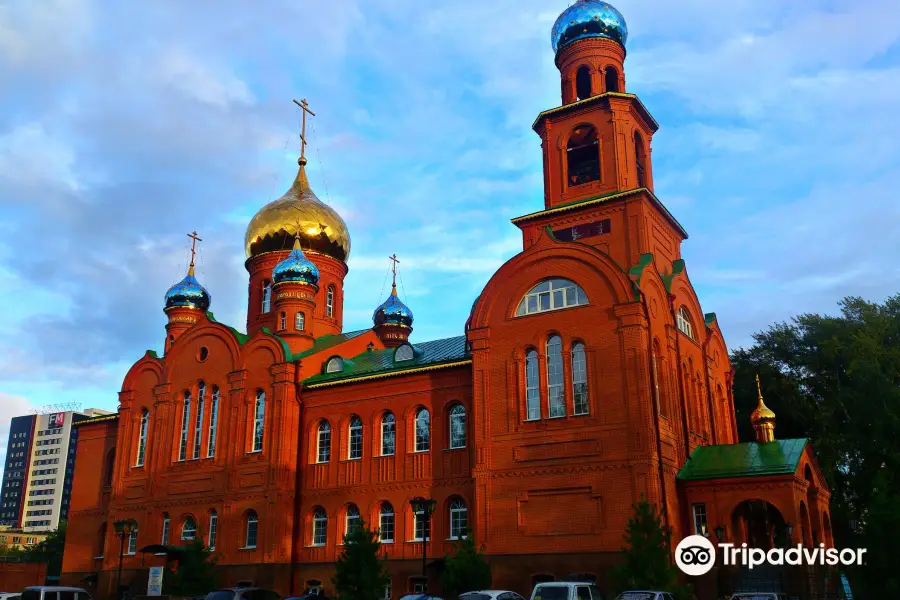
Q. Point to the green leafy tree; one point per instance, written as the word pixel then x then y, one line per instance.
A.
pixel 360 574
pixel 647 561
pixel 467 570
pixel 49 551
pixel 195 573
pixel 836 380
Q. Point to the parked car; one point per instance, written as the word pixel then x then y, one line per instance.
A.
pixel 645 595
pixel 566 590
pixel 49 592
pixel 243 593
pixel 10 596
pixel 419 597
pixel 491 595
pixel 760 596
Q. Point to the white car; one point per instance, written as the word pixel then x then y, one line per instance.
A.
pixel 490 595
pixel 566 590
pixel 10 596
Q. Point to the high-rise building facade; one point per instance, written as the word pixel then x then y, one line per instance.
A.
pixel 18 451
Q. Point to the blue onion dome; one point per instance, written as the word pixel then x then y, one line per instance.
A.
pixel 393 312
pixel 296 267
pixel 188 293
pixel 588 19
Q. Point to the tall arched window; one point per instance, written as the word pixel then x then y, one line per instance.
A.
pixel 657 378
pixel 423 430
pixel 459 519
pixel 252 530
pixel 213 527
pixel 583 156
pixel 640 159
pixel 583 82
pixel 101 541
pixel 320 527
pixel 579 379
pixel 185 423
pixel 213 423
pixel 110 467
pixel 352 521
pixel 282 321
pixel 684 322
pixel 171 341
pixel 532 386
pixel 323 443
pixel 300 321
pixel 198 420
pixel 189 529
pixel 266 295
pixel 164 538
pixel 552 294
pixel 329 302
pixel 355 439
pixel 555 392
pixel 259 421
pixel 142 438
pixel 612 79
pixel 132 542
pixel 457 427
pixel 386 523
pixel 421 525
pixel 388 434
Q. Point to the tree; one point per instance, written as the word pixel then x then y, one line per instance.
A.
pixel 467 570
pixel 195 574
pixel 836 380
pixel 49 551
pixel 359 573
pixel 647 562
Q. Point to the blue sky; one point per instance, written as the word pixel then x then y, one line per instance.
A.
pixel 125 125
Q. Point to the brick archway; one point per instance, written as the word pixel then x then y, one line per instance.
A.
pixel 759 524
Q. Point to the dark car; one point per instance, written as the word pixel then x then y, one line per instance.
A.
pixel 243 593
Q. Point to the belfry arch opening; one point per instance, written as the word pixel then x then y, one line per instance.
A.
pixel 612 79
pixel 583 82
pixel 640 159
pixel 583 156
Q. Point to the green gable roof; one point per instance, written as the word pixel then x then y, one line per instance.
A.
pixel 752 459
pixel 328 341
pixel 378 362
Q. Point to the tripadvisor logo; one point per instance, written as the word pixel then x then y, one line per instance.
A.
pixel 696 555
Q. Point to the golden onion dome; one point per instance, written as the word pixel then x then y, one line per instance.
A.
pixel 298 213
pixel 761 413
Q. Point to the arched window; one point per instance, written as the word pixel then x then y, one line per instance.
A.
pixel 583 156
pixel 142 438
pixel 320 527
pixel 189 529
pixel 259 421
pixel 555 392
pixel 352 521
pixel 532 386
pixel 404 352
pixel 552 294
pixel 579 379
pixel 213 423
pixel 323 443
pixel 684 322
pixel 388 434
pixel 185 423
pixel 612 79
pixel 355 439
pixel 423 430
pixel 459 519
pixel 132 542
pixel 386 523
pixel 266 295
pixel 300 321
pixel 329 302
pixel 171 341
pixel 334 365
pixel 583 82
pixel 252 530
pixel 640 159
pixel 101 541
pixel 282 321
pixel 164 539
pixel 213 526
pixel 657 388
pixel 457 427
pixel 198 420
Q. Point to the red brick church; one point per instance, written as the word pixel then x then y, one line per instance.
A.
pixel 586 375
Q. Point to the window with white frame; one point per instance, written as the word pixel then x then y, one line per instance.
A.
pixel 355 441
pixel 553 294
pixel 423 430
pixel 352 519
pixel 213 527
pixel 198 420
pixel 252 530
pixel 555 390
pixel 164 540
pixel 266 296
pixel 320 527
pixel 457 427
pixel 459 519
pixel 282 321
pixel 300 321
pixel 388 434
pixel 334 365
pixel 213 423
pixel 189 529
pixel 329 302
pixel 684 323
pixel 421 525
pixel 386 523
pixel 132 542
pixel 142 438
pixel 579 379
pixel 532 386
pixel 259 421
pixel 403 353
pixel 185 423
pixel 700 526
pixel 323 443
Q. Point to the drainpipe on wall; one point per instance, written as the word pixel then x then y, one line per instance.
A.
pixel 653 403
pixel 681 392
pixel 709 397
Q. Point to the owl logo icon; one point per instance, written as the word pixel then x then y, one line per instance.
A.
pixel 695 555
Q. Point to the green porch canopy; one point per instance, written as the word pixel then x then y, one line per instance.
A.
pixel 751 459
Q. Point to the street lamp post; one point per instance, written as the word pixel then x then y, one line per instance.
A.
pixel 124 529
pixel 425 506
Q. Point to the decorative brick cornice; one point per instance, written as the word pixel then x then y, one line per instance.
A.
pixel 387 487
pixel 559 470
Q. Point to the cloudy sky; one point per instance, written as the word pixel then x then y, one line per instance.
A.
pixel 124 125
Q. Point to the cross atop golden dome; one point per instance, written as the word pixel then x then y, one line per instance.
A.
pixel 763 419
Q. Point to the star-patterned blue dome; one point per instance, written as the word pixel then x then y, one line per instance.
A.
pixel 588 19
pixel 296 267
pixel 393 312
pixel 188 293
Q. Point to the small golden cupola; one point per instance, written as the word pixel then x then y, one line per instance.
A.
pixel 763 419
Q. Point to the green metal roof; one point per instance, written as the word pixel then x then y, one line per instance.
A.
pixel 378 362
pixel 329 341
pixel 752 459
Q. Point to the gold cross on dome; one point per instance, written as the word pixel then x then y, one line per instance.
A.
pixel 304 108
pixel 394 262
pixel 195 239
